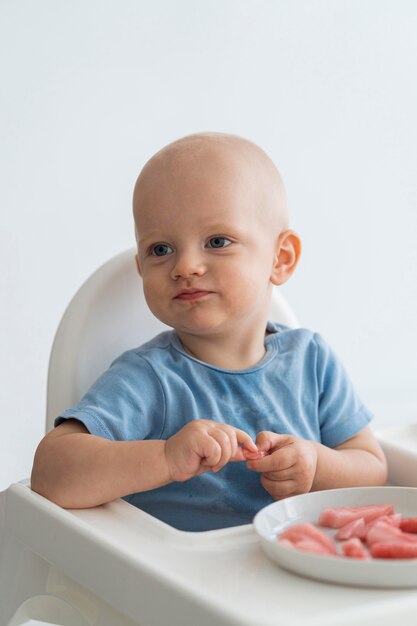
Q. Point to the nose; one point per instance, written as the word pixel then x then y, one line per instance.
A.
pixel 188 263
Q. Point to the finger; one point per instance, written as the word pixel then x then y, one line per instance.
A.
pixel 210 452
pixel 267 440
pixel 232 435
pixel 234 446
pixel 223 440
pixel 245 440
pixel 264 440
pixel 280 459
pixel 289 473
pixel 279 489
pixel 239 451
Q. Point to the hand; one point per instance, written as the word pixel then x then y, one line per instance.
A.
pixel 204 445
pixel 289 466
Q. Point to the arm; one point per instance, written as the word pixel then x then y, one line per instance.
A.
pixel 78 470
pixel 357 462
pixel 294 465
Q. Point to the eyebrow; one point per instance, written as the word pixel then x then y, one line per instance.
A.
pixel 151 235
pixel 219 227
pixel 215 228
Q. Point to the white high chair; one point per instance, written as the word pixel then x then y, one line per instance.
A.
pixel 115 565
pixel 43 544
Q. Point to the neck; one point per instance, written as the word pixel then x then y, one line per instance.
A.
pixel 232 352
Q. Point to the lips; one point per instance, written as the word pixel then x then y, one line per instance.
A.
pixel 191 294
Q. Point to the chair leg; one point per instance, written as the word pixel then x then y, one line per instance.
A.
pixel 49 610
pixel 53 610
pixel 23 575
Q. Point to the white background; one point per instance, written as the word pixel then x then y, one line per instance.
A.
pixel 90 89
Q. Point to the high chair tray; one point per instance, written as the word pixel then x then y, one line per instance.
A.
pixel 157 575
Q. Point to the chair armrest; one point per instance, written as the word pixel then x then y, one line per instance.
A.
pixel 148 558
pixel 400 448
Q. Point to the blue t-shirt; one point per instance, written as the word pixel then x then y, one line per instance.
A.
pixel 299 387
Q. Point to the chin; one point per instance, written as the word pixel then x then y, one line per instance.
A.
pixel 195 321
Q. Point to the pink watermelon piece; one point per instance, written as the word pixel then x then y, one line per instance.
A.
pixel 409 524
pixel 395 519
pixel 392 520
pixel 307 545
pixel 354 548
pixel 386 533
pixel 356 528
pixel 359 529
pixel 394 550
pixel 340 516
pixel 307 531
pixel 251 455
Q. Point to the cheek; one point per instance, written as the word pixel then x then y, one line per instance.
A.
pixel 150 290
pixel 249 275
pixel 239 286
pixel 155 302
pixel 247 281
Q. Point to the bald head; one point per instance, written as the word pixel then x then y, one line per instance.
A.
pixel 223 163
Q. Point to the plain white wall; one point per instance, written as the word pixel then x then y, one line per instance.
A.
pixel 91 89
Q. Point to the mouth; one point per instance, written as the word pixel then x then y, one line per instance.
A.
pixel 192 294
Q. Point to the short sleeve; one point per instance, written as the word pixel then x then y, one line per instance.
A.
pixel 341 412
pixel 125 403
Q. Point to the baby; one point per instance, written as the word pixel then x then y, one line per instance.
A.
pixel 207 423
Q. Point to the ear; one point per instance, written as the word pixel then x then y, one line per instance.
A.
pixel 287 254
pixel 137 265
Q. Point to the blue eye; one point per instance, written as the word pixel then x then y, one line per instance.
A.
pixel 219 242
pixel 161 249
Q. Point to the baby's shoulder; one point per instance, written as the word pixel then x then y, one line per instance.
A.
pixel 156 350
pixel 293 337
pixel 307 346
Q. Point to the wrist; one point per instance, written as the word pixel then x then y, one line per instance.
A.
pixel 150 469
pixel 316 453
pixel 165 464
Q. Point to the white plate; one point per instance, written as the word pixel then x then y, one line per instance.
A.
pixel 364 573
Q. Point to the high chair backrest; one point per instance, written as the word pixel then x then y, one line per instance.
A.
pixel 107 316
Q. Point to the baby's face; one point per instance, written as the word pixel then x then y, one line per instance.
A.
pixel 206 248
